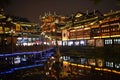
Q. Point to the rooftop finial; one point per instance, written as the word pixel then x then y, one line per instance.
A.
pixel 54 13
pixel 94 11
pixel 87 12
pixel 111 10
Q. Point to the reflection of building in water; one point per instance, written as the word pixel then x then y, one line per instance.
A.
pixel 100 63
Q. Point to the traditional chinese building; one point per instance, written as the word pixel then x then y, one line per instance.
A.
pixel 92 29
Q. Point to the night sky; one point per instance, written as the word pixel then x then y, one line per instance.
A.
pixel 31 9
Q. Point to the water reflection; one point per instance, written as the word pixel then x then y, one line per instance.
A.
pixel 109 65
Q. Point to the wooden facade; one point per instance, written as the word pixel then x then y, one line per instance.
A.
pixel 105 28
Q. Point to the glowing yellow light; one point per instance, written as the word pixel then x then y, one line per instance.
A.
pixel 117 72
pixel 98 69
pixel 108 70
pixel 87 66
pixel 73 64
pixel 80 65
pixel 115 36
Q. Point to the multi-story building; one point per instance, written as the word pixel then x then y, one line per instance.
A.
pixel 93 29
pixel 16 32
pixel 51 27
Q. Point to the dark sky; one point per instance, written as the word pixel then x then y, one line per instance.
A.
pixel 31 9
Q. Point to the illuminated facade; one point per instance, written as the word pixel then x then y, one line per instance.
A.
pixel 51 27
pixel 90 29
pixel 18 33
pixel 93 29
pixel 83 29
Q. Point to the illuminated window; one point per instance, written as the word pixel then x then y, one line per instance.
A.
pixel 82 42
pixel 109 64
pixel 108 41
pixel 117 65
pixel 70 43
pixel 116 41
pixel 17 60
pixel 76 43
pixel 91 62
pixel 60 43
pixel 64 43
pixel 83 60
